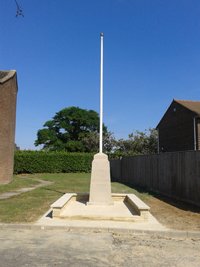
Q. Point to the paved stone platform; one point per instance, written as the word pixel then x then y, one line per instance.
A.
pixel 124 207
pixel 151 225
pixel 127 212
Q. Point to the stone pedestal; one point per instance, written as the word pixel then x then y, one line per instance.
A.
pixel 100 185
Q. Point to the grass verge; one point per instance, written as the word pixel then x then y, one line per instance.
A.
pixel 19 181
pixel 28 207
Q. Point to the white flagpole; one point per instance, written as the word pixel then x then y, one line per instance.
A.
pixel 101 99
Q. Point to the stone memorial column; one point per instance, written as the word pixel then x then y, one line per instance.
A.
pixel 100 185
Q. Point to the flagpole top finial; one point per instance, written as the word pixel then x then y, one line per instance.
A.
pixel 101 34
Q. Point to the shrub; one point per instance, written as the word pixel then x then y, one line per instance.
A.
pixel 51 162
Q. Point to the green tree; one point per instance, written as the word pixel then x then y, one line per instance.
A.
pixel 91 142
pixel 138 143
pixel 72 129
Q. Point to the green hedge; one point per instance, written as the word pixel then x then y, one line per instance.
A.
pixel 51 162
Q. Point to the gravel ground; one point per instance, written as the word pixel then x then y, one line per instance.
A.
pixel 59 247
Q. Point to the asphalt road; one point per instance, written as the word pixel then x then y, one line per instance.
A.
pixel 59 247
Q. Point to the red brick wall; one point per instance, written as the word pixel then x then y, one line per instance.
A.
pixel 8 93
pixel 176 129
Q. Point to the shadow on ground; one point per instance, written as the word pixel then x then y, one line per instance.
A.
pixel 169 200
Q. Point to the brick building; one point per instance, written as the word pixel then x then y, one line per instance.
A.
pixel 8 94
pixel 179 128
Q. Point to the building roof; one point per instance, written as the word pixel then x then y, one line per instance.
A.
pixel 5 75
pixel 193 106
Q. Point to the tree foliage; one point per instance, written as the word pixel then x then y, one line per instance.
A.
pixel 72 129
pixel 138 143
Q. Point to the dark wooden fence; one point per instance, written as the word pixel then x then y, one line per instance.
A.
pixel 175 174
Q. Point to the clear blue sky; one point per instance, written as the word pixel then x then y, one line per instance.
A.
pixel 151 55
